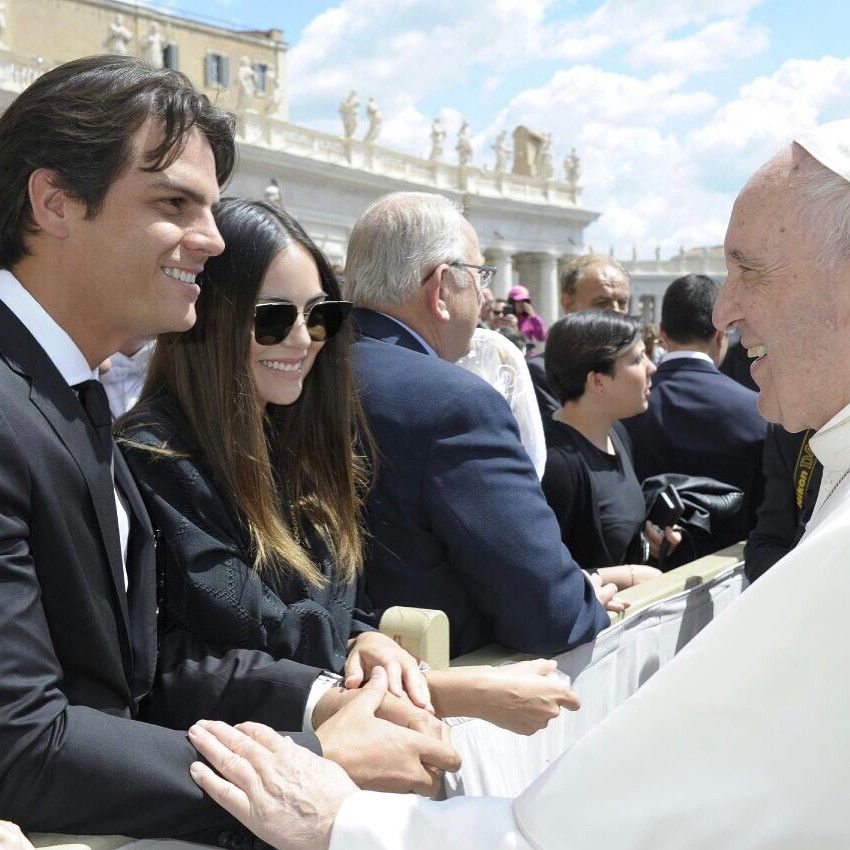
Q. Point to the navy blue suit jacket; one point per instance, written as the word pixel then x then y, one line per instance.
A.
pixel 701 422
pixel 457 518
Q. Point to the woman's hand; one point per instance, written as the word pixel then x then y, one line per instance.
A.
pixel 373 649
pixel 606 593
pixel 655 536
pixel 628 575
pixel 521 697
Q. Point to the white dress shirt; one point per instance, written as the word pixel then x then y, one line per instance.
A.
pixel 686 355
pixel 125 377
pixel 66 357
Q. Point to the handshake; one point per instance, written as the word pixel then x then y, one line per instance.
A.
pixel 374 739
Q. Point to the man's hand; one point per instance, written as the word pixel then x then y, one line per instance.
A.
pixel 372 649
pixel 606 594
pixel 521 697
pixel 398 710
pixel 283 793
pixel 383 756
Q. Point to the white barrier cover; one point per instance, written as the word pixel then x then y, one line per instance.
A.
pixel 604 673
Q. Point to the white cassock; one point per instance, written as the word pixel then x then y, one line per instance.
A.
pixel 742 742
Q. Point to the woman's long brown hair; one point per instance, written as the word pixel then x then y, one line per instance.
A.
pixel 282 467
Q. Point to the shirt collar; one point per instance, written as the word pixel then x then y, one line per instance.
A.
pixel 59 347
pixel 831 443
pixel 679 355
pixel 412 332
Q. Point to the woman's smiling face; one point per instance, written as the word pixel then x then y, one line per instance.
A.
pixel 279 370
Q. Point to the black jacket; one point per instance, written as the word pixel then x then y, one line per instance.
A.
pixel 78 650
pixel 701 422
pixel 212 593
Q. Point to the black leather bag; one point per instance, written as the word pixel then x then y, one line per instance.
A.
pixel 710 517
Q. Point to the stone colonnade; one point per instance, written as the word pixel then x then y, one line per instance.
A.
pixel 538 271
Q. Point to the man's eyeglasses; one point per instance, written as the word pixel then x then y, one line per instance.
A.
pixel 274 320
pixel 485 273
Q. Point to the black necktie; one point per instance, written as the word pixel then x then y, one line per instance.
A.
pixel 93 398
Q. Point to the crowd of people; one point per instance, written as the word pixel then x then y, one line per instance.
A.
pixel 221 463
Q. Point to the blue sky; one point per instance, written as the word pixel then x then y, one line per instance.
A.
pixel 670 105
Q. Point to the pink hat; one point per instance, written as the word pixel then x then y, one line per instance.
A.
pixel 519 293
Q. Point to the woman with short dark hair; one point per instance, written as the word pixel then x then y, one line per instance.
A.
pixel 597 368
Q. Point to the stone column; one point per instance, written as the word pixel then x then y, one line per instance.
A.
pixel 549 302
pixel 502 259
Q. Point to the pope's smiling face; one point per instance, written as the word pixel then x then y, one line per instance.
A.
pixel 791 309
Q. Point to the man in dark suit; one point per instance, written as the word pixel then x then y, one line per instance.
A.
pixel 108 174
pixel 699 421
pixel 589 282
pixel 457 518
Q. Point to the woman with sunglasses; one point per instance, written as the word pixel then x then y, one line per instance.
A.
pixel 252 455
pixel 245 446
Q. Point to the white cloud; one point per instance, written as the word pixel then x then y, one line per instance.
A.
pixel 585 93
pixel 713 47
pixel 770 110
pixel 425 47
pixel 661 158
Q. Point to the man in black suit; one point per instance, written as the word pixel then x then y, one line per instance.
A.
pixel 699 421
pixel 457 519
pixel 589 282
pixel 108 174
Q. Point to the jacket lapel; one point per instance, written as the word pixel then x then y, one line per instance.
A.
pixel 59 405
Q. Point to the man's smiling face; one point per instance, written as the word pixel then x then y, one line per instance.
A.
pixel 791 309
pixel 140 254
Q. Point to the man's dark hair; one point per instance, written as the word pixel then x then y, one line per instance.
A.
pixel 687 307
pixel 584 342
pixel 79 119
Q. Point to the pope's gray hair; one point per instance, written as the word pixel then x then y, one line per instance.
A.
pixel 822 205
pixel 396 242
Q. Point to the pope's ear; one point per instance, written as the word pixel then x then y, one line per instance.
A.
pixel 49 203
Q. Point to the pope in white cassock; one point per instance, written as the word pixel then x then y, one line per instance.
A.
pixel 743 740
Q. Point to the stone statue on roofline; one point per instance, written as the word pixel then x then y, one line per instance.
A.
pixel 348 112
pixel 572 173
pixel 503 152
pixel 272 195
pixel 464 145
pixel 3 24
pixel 152 45
pixel 119 37
pixel 438 138
pixel 375 121
pixel 247 85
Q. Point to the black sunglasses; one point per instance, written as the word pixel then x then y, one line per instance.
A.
pixel 273 321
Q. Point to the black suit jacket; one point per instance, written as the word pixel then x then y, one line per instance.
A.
pixel 78 652
pixel 701 422
pixel 457 518
pixel 546 400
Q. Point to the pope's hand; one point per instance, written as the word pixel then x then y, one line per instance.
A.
pixel 283 793
pixel 11 837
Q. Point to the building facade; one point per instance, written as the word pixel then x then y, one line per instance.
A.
pixel 650 278
pixel 530 223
